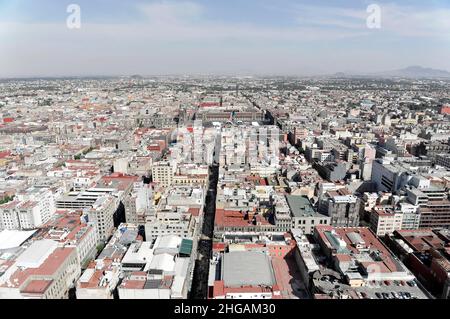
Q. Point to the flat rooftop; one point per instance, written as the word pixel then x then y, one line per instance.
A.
pixel 247 268
pixel 301 206
pixel 37 253
pixel 13 238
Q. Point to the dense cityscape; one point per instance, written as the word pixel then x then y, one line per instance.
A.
pixel 225 187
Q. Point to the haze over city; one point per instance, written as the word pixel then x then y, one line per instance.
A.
pixel 224 152
pixel 220 37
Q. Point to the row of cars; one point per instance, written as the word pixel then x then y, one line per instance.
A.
pixel 395 295
pixel 395 283
pixel 389 289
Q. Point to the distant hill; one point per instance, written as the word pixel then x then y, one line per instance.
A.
pixel 340 75
pixel 416 72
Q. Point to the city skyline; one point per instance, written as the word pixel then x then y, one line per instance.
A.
pixel 297 38
pixel 208 154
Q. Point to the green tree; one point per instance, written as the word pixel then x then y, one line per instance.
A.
pixel 7 199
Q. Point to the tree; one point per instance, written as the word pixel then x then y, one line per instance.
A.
pixel 100 247
pixel 90 149
pixel 7 199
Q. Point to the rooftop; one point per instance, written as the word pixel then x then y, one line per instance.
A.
pixel 247 268
pixel 301 206
pixel 13 238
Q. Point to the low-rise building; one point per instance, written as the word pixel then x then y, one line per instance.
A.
pixel 304 216
pixel 102 275
pixel 42 271
pixel 361 267
pixel 166 271
pixel 385 220
pixel 426 253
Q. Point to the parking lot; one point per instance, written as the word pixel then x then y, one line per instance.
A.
pixel 397 289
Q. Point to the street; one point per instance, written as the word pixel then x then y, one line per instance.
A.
pixel 199 289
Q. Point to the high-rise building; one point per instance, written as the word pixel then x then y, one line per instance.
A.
pixel 102 214
pixel 342 207
pixel 162 173
pixel 32 209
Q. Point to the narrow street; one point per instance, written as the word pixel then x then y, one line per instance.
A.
pixel 199 289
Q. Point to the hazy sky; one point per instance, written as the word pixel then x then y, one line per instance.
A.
pixel 292 37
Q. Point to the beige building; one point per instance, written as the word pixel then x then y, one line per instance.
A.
pixel 384 220
pixel 42 271
pixel 102 214
pixel 163 173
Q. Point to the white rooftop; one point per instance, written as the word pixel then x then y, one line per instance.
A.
pixel 167 244
pixel 138 253
pixel 37 253
pixel 163 262
pixel 13 238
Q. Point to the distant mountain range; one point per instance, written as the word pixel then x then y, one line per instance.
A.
pixel 413 72
pixel 417 72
